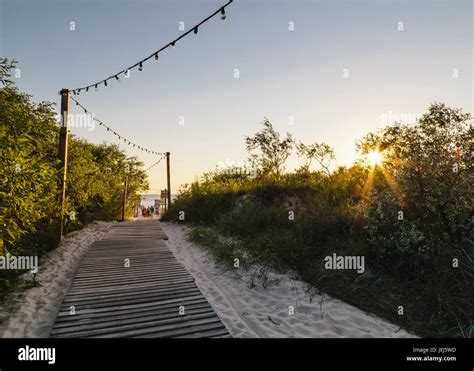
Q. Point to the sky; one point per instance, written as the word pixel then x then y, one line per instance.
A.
pixel 325 71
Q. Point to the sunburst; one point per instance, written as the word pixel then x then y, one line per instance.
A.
pixel 376 159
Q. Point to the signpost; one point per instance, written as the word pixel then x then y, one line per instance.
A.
pixel 164 199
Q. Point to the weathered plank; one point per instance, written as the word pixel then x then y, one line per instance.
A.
pixel 129 284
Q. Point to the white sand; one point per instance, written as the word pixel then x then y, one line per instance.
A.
pixel 246 312
pixel 32 313
pixel 264 312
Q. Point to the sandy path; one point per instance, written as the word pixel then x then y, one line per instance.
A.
pixel 260 312
pixel 32 313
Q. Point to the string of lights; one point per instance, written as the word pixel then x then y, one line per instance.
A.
pixel 119 136
pixel 156 163
pixel 154 55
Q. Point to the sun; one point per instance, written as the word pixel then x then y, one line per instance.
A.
pixel 375 158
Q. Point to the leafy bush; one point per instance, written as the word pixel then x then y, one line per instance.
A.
pixel 29 212
pixel 410 217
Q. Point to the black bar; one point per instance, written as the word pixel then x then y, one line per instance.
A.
pixel 90 352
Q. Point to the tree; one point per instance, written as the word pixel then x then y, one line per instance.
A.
pixel 428 169
pixel 5 67
pixel 28 137
pixel 320 152
pixel 272 150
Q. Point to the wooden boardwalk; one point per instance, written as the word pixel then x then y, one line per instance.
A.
pixel 108 298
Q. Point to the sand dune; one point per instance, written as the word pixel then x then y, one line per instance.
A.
pixel 267 312
pixel 246 312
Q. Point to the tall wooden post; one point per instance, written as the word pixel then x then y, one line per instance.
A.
pixel 124 205
pixel 63 142
pixel 168 181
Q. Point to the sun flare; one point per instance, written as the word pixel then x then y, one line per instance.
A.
pixel 375 158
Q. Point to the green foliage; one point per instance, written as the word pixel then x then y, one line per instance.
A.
pixel 29 178
pixel 272 150
pixel 28 141
pixel 5 68
pixel 319 152
pixel 224 250
pixel 96 175
pixel 410 256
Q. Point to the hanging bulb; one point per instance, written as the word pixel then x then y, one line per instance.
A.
pixel 156 56
pixel 195 30
pixel 105 82
pixel 140 67
pixel 223 15
pixel 95 87
pixel 87 89
pixel 79 91
pixel 173 44
pixel 116 77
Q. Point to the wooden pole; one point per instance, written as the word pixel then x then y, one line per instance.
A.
pixel 63 142
pixel 124 205
pixel 168 181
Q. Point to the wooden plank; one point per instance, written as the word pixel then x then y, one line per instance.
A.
pixel 127 322
pixel 155 327
pixel 107 316
pixel 134 286
pixel 142 300
pixel 171 330
pixel 126 292
pixel 85 312
pixel 135 296
pixel 137 299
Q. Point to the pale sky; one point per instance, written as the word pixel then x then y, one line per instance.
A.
pixel 290 76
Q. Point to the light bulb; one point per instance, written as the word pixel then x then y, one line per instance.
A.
pixel 223 15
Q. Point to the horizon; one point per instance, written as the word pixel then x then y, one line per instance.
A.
pixel 346 69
